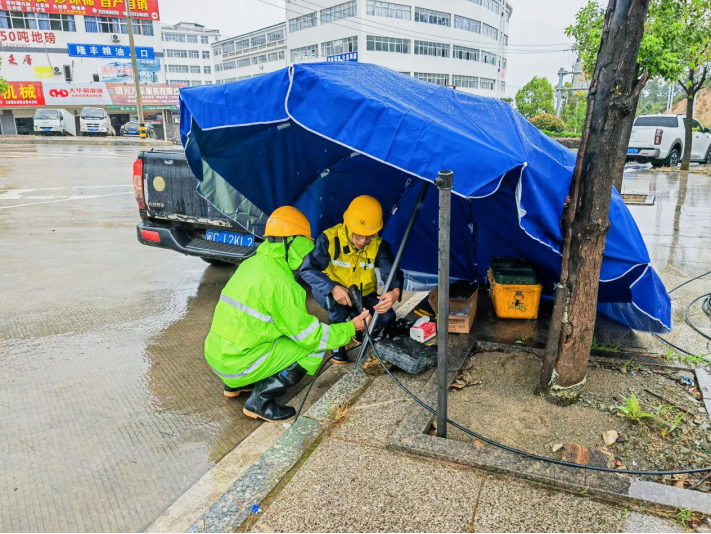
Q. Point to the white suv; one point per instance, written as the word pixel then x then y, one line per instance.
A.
pixel 659 139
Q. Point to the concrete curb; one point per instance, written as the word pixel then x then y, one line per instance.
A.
pixel 237 503
pixel 411 438
pixel 82 141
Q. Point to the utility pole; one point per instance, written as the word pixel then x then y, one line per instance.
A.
pixel 134 64
pixel 559 100
pixel 670 97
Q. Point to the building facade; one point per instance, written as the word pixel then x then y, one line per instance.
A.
pixel 187 53
pixel 460 43
pixel 250 54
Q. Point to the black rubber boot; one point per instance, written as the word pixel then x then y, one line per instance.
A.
pixel 234 392
pixel 339 356
pixel 261 404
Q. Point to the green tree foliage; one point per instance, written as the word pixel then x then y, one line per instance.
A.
pixel 548 122
pixel 573 115
pixel 3 83
pixel 535 97
pixel 654 97
pixel 676 45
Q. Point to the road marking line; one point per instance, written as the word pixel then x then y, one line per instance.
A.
pixel 82 197
pixel 61 188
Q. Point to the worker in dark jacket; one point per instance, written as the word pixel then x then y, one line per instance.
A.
pixel 348 254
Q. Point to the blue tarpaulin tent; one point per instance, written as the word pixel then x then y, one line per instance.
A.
pixel 317 135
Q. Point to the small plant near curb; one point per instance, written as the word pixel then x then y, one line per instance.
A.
pixel 632 410
pixel 686 518
pixel 635 367
pixel 521 339
pixel 674 356
pixel 673 426
pixel 604 347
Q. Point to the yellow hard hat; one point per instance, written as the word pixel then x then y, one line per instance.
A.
pixel 288 221
pixel 364 216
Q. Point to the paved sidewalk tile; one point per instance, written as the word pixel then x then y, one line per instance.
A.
pixel 348 487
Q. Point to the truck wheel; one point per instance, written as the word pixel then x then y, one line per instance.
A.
pixel 672 160
pixel 218 263
pixel 707 159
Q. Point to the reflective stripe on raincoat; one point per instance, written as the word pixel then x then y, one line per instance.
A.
pixel 261 325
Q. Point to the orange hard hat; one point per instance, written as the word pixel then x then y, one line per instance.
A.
pixel 288 221
pixel 364 216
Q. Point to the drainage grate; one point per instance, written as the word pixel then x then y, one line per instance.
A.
pixel 638 199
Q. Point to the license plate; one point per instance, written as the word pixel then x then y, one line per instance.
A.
pixel 231 238
pixel 93 129
pixel 633 150
pixel 47 129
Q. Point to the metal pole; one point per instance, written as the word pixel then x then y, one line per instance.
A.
pixel 444 184
pixel 134 65
pixel 396 262
pixel 561 73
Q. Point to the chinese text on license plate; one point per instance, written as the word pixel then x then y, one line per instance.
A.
pixel 632 150
pixel 231 238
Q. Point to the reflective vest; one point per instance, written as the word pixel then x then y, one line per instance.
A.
pixel 349 266
pixel 260 306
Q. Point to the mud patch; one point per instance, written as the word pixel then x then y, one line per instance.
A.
pixel 504 407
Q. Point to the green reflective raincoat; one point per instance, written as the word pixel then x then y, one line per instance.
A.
pixel 261 325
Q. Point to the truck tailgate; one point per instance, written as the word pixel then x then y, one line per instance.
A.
pixel 642 136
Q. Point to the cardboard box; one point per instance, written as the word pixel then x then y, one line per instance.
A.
pixel 462 306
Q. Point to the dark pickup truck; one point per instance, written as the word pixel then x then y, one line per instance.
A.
pixel 175 216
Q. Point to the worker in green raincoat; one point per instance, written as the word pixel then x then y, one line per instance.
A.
pixel 262 339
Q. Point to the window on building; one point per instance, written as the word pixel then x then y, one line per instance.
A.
pixel 464 52
pixel 282 55
pixel 439 79
pixel 228 48
pixel 206 54
pixel 241 63
pixel 506 40
pixel 492 5
pixel 427 48
pixel 204 39
pixel 37 21
pixel 464 23
pixel 218 67
pixel 388 9
pixel 508 16
pixel 341 11
pixel 217 51
pixel 113 25
pixel 178 69
pixel 339 46
pixel 242 45
pixel 475 1
pixel 194 69
pixel 227 65
pixel 490 31
pixel 194 54
pixel 176 53
pixel 278 35
pixel 258 40
pixel 192 39
pixel 304 53
pixel 208 82
pixel 503 86
pixel 180 82
pixel 488 58
pixel 376 43
pixel 169 37
pixel 259 59
pixel 243 78
pixel 272 56
pixel 486 83
pixel 302 22
pixel 195 82
pixel 429 16
pixel 467 82
pixel 503 63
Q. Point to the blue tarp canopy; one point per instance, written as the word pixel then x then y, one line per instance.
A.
pixel 317 135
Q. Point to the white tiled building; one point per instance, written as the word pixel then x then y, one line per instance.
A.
pixel 460 43
pixel 187 53
pixel 250 54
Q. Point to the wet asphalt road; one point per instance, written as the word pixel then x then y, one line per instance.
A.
pixel 107 408
pixel 108 411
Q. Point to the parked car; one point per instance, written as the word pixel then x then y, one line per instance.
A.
pixel 175 216
pixel 95 121
pixel 131 129
pixel 659 140
pixel 54 122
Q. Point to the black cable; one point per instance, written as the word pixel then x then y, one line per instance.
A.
pixel 311 385
pixel 688 319
pixel 518 451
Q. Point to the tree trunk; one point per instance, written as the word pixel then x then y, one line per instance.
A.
pixel 688 130
pixel 612 102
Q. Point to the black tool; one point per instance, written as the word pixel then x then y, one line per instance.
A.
pixel 356 298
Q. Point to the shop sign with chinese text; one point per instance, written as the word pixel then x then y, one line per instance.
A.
pixel 75 94
pixel 140 9
pixel 158 94
pixel 21 94
pixel 25 38
pixel 109 51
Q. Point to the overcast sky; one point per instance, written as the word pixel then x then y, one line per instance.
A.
pixel 534 24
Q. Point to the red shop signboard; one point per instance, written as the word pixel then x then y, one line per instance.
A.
pixel 140 9
pixel 19 94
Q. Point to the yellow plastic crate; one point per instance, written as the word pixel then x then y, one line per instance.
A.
pixel 515 301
